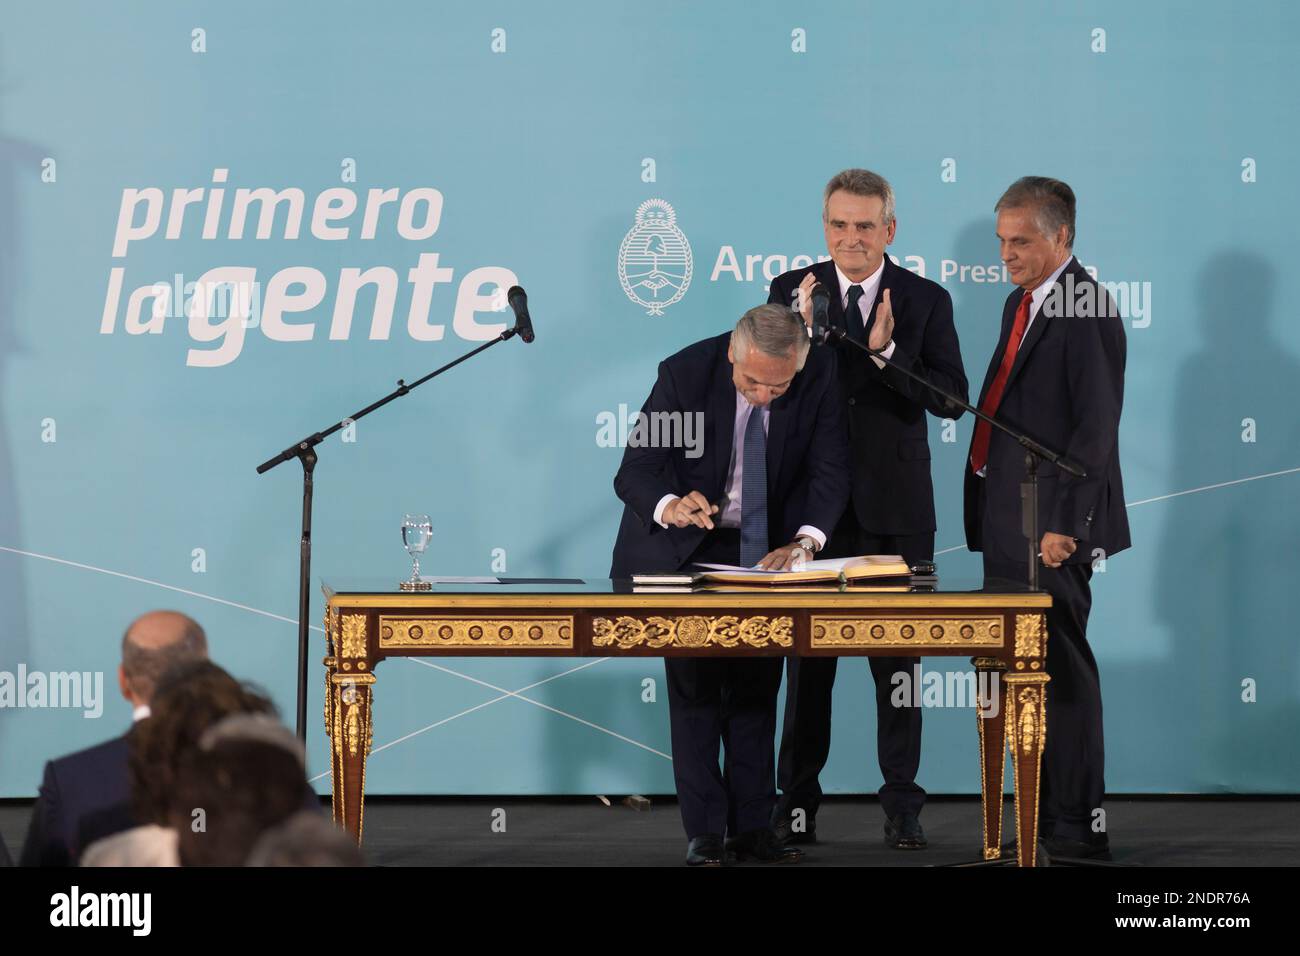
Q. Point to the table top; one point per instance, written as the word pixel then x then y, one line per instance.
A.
pixel 604 592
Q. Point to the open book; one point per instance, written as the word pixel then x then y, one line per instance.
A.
pixel 825 570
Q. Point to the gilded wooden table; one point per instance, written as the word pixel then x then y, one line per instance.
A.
pixel 999 625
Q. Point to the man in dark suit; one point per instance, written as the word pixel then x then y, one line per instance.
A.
pixel 765 487
pixel 910 318
pixel 1057 374
pixel 87 795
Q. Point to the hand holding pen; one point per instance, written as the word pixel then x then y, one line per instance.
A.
pixel 693 509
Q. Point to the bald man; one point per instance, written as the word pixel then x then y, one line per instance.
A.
pixel 87 795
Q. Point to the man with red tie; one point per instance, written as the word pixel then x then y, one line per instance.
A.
pixel 1057 374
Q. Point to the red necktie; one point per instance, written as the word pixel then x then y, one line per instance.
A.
pixel 979 452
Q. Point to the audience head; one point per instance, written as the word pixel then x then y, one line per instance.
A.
pixel 306 839
pixel 245 776
pixel 190 698
pixel 155 643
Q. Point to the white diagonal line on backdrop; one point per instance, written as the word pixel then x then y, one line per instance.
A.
pixel 505 694
pixel 1222 484
pixel 1176 494
pixel 289 620
pixel 158 584
pixel 535 703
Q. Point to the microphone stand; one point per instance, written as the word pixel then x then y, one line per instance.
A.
pixel 305 452
pixel 1033 450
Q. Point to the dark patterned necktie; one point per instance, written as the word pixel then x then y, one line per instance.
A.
pixel 853 315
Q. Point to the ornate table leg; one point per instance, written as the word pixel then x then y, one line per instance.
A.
pixel 990 718
pixel 349 689
pixel 1026 709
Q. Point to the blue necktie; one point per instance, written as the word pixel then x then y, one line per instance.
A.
pixel 753 492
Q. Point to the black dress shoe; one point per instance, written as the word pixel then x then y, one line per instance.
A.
pixel 1061 849
pixel 903 832
pixel 761 845
pixel 705 850
pixel 784 833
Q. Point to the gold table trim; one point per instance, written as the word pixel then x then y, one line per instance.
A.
pixel 693 630
pixel 979 632
pixel 444 631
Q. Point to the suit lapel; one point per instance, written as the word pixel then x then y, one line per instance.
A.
pixel 1036 330
pixel 1008 319
pixel 887 278
pixel 825 272
pixel 722 409
pixel 776 428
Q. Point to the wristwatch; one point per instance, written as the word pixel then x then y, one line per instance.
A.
pixel 808 543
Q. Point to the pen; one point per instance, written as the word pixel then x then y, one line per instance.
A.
pixel 712 504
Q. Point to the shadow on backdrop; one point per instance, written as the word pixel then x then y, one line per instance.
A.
pixel 1228 559
pixel 20 163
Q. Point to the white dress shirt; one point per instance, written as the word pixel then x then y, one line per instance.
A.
pixel 1040 293
pixel 729 517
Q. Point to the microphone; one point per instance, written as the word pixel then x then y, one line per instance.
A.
pixel 518 300
pixel 820 305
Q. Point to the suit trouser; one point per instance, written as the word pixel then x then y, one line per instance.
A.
pixel 727 702
pixel 731 702
pixel 1073 779
pixel 806 734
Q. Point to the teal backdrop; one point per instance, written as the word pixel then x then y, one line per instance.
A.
pixel 127 469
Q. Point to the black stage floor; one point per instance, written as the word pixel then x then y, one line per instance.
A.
pixel 575 831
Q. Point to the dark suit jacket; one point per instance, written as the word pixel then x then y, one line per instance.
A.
pixel 1065 390
pixel 890 449
pixel 807 456
pixel 83 797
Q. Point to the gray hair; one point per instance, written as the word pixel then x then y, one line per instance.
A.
pixel 861 182
pixel 306 839
pixel 255 728
pixel 144 666
pixel 1051 200
pixel 774 330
